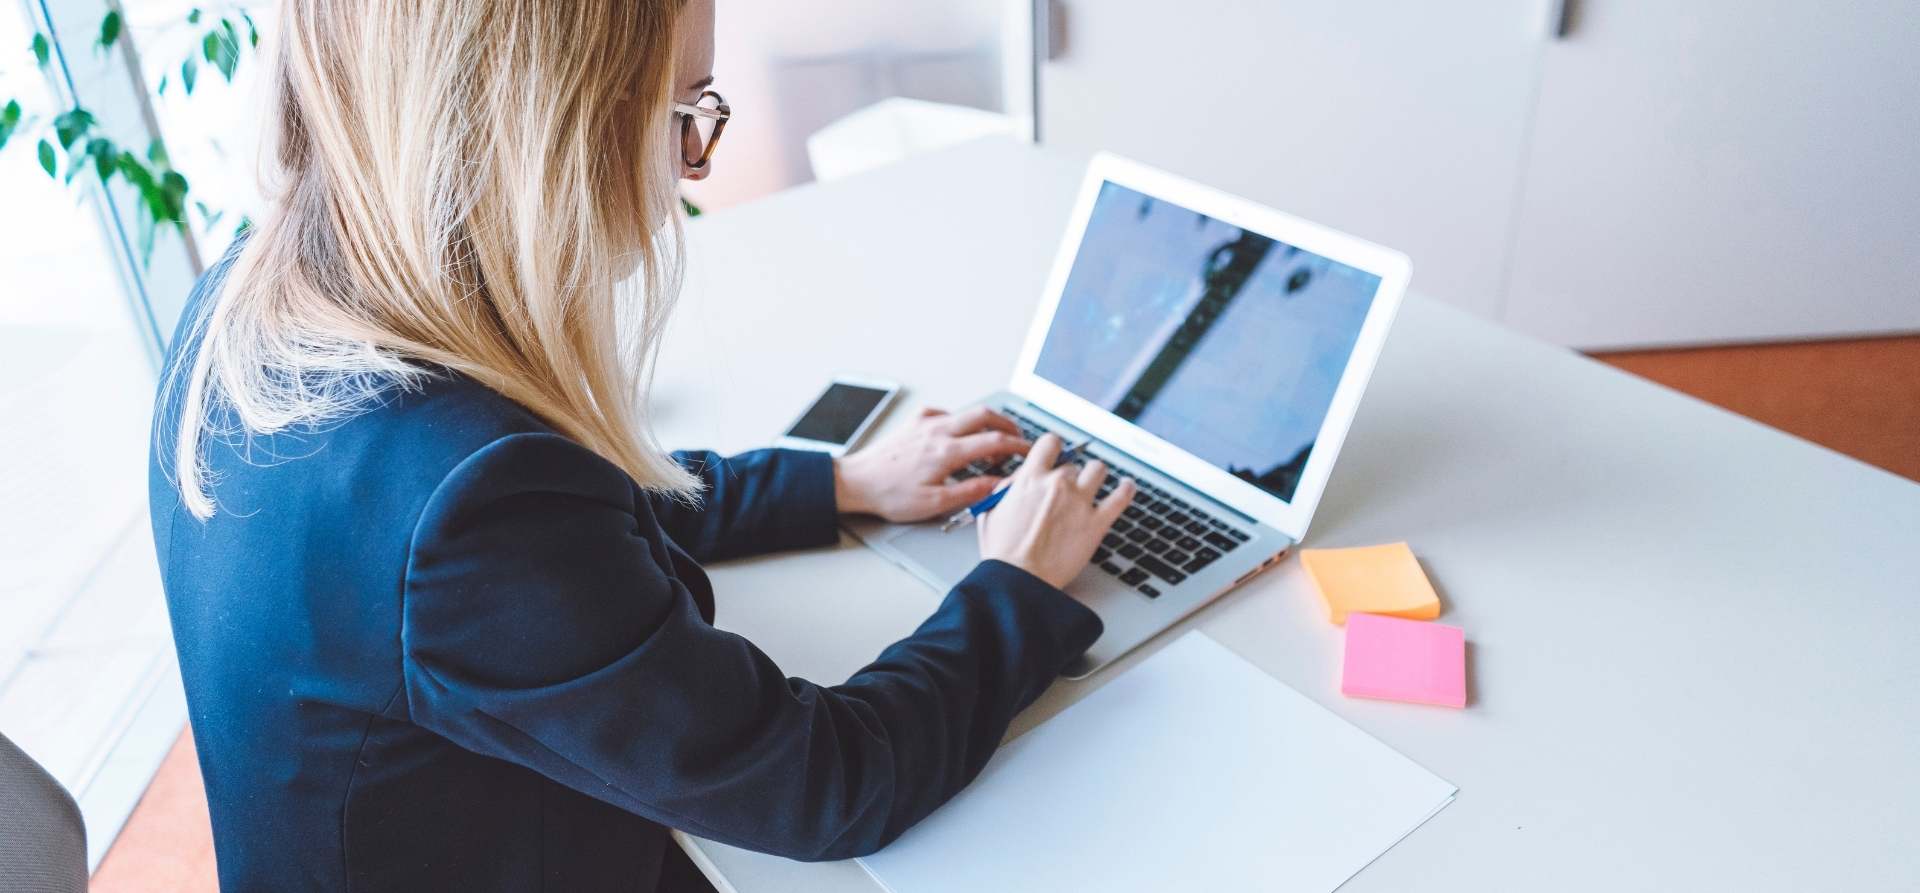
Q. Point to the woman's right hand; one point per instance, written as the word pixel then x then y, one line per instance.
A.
pixel 1048 525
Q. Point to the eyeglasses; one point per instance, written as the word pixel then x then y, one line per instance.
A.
pixel 701 123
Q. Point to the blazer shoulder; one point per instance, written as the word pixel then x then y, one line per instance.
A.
pixel 523 473
pixel 427 431
pixel 445 405
pixel 384 459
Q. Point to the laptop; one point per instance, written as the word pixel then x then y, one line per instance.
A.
pixel 1210 349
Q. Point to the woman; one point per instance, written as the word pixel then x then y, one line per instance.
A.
pixel 436 594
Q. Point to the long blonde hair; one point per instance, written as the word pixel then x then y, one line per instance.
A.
pixel 486 186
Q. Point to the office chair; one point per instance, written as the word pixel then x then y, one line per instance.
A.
pixel 43 843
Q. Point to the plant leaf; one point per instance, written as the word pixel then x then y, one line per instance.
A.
pixel 162 89
pixel 41 49
pixel 208 216
pixel 225 49
pixel 9 120
pixel 109 28
pixel 193 16
pixel 46 157
pixel 102 151
pixel 157 153
pixel 72 125
pixel 135 173
pixel 189 72
pixel 155 201
pixel 253 30
pixel 146 241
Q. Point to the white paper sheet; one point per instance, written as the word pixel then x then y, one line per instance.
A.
pixel 1192 771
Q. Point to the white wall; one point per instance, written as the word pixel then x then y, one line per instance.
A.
pixel 790 68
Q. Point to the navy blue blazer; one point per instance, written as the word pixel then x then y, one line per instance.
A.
pixel 441 647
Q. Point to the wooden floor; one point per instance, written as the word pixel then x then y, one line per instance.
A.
pixel 167 844
pixel 1861 398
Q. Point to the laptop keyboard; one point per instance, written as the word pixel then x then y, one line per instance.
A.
pixel 1157 541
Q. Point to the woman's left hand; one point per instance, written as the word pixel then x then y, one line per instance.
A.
pixel 903 477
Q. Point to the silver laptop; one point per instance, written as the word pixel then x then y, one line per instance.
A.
pixel 1212 350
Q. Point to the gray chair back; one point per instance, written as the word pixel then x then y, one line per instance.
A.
pixel 43 843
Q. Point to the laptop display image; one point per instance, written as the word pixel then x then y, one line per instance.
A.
pixel 1217 339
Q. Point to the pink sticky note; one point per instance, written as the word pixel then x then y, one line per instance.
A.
pixel 1405 660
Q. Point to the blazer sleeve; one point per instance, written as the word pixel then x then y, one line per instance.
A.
pixel 753 503
pixel 543 627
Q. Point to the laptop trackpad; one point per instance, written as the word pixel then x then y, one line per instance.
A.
pixel 941 558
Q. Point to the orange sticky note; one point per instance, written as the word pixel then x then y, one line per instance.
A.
pixel 1405 660
pixel 1372 579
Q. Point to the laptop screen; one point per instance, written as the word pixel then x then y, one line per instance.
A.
pixel 1218 340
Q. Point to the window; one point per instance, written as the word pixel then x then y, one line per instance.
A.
pixel 88 684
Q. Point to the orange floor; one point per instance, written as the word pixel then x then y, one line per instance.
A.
pixel 1861 398
pixel 167 844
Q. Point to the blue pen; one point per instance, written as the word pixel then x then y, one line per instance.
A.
pixel 967 515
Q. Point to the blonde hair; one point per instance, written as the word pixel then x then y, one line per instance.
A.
pixel 467 184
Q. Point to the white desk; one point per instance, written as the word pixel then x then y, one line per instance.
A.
pixel 1692 640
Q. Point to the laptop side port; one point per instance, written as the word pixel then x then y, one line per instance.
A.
pixel 1262 566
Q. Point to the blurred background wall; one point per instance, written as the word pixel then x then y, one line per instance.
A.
pixel 789 69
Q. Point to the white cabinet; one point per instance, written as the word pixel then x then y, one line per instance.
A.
pixel 1709 170
pixel 1395 120
pixel 1723 170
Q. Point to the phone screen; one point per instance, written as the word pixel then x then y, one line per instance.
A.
pixel 838 413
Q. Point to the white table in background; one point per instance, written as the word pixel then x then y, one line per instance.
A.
pixel 1694 642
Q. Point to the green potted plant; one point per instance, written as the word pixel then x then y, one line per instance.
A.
pixel 70 143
